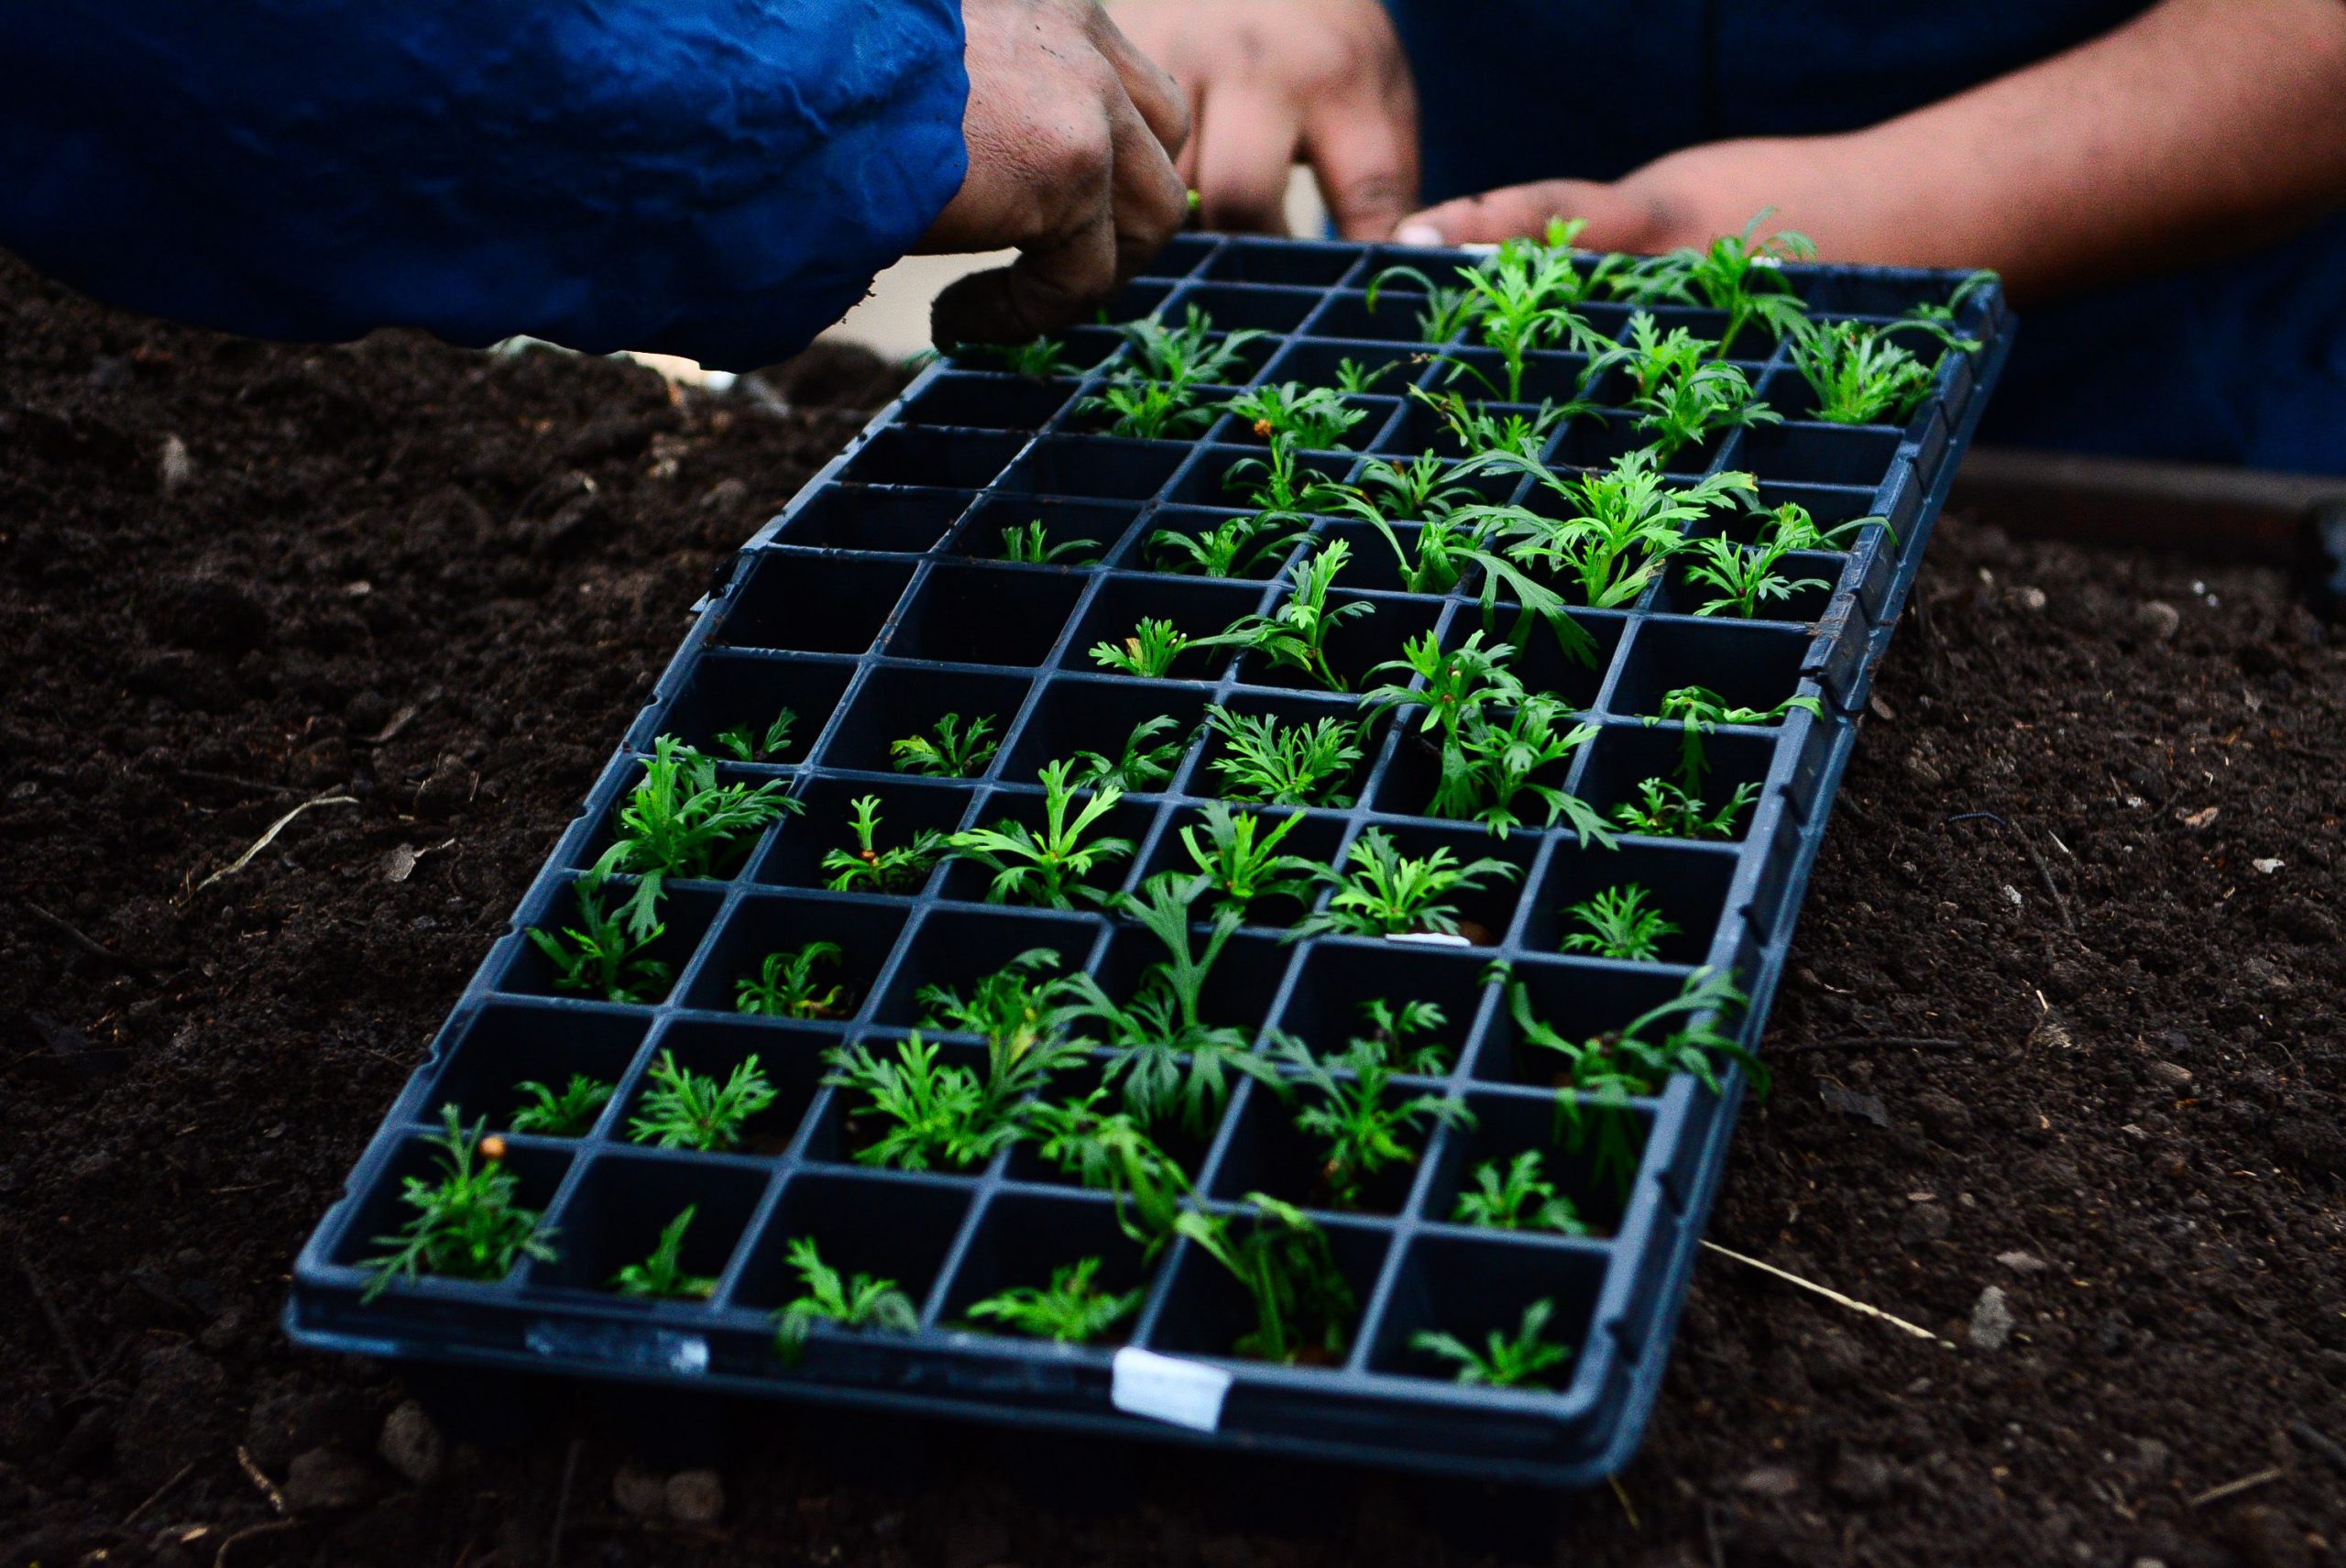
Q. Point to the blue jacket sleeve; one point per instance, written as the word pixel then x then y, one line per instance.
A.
pixel 713 178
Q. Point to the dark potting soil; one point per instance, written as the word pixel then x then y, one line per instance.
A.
pixel 2060 1064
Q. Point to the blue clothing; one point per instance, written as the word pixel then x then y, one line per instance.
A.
pixel 2241 361
pixel 714 178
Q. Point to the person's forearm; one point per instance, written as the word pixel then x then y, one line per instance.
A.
pixel 2202 127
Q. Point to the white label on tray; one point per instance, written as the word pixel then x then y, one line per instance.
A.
pixel 1165 1389
pixel 1429 939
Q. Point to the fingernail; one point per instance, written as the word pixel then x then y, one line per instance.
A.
pixel 1416 234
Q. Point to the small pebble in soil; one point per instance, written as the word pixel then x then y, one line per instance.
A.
pixel 696 1497
pixel 2023 1261
pixel 326 1480
pixel 1770 1481
pixel 639 1493
pixel 1992 1320
pixel 412 1444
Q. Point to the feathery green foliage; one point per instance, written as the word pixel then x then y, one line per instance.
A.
pixel 1619 922
pixel 1524 1359
pixel 467 1224
pixel 1071 1309
pixel 569 1114
pixel 1303 1305
pixel 1389 893
pixel 949 750
pixel 862 1303
pixel 867 868
pixel 686 1110
pixel 661 1275
pixel 1303 763
pixel 1043 868
pixel 1518 1199
pixel 785 986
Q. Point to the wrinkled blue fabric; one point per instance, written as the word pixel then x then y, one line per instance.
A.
pixel 713 178
pixel 2241 361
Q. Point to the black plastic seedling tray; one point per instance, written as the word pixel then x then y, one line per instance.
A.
pixel 871 605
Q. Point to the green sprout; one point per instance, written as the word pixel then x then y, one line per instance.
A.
pixel 1388 894
pixel 1192 355
pixel 1242 861
pixel 662 1276
pixel 1525 296
pixel 569 1114
pixel 1147 408
pixel 1744 576
pixel 1733 274
pixel 1244 546
pixel 1678 807
pixel 867 868
pixel 1037 359
pixel 931 1112
pixel 1619 923
pixel 1683 395
pixel 785 986
pixel 950 750
pixel 1303 1304
pixel 678 821
pixel 862 1303
pixel 1295 635
pixel 1111 1151
pixel 1615 526
pixel 1521 1360
pixel 1042 868
pixel 1303 763
pixel 1318 418
pixel 1148 653
pixel 1393 1032
pixel 1480 433
pixel 747 745
pixel 1144 763
pixel 467 1224
pixel 1030 546
pixel 1362 1130
pixel 1518 1199
pixel 1071 1309
pixel 1859 373
pixel 686 1110
pixel 1024 1003
pixel 605 955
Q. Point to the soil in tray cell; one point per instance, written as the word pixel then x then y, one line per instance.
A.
pixel 1131 734
pixel 1003 529
pixel 1282 261
pixel 644 974
pixel 947 724
pixel 1085 467
pixel 1207 1312
pixel 1601 441
pixel 1394 320
pixel 1236 307
pixel 619 1215
pixel 1576 1182
pixel 1638 902
pixel 509 1043
pixel 1819 454
pixel 823 846
pixel 813 604
pixel 889 1228
pixel 883 519
pixel 771 957
pixel 755 710
pixel 1268 1151
pixel 1028 1242
pixel 774 1070
pixel 977 615
pixel 955 954
pixel 1469 1287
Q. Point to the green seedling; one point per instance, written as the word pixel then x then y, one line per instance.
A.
pixel 950 750
pixel 1518 1199
pixel 934 1113
pixel 1145 764
pixel 1236 547
pixel 1683 395
pixel 1393 1035
pixel 678 821
pixel 1149 652
pixel 1315 418
pixel 1388 894
pixel 1677 807
pixel 662 1276
pixel 1280 483
pixel 569 1114
pixel 605 955
pixel 1525 296
pixel 1303 763
pixel 1043 868
pixel 785 986
pixel 1789 527
pixel 1111 1151
pixel 1613 527
pixel 1240 855
pixel 1190 355
pixel 467 1224
pixel 1147 409
pixel 1024 1004
pixel 864 1303
pixel 1521 1360
pixel 747 745
pixel 1362 1130
pixel 1479 432
pixel 1744 576
pixel 1303 1304
pixel 1860 373
pixel 686 1110
pixel 867 868
pixel 1734 274
pixel 1038 359
pixel 1071 1309
pixel 1619 922
pixel 1169 1061
pixel 1295 635
pixel 1029 545
pixel 1939 320
pixel 1352 378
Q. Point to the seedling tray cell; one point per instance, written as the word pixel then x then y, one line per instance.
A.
pixel 964 558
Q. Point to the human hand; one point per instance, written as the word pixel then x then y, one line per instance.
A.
pixel 1071 134
pixel 1271 82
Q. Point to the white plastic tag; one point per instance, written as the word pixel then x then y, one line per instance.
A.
pixel 1165 1389
pixel 1429 939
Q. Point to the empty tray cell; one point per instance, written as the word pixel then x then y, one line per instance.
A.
pixel 738 974
pixel 1590 1159
pixel 1820 454
pixel 1313 837
pixel 1322 362
pixel 1396 317
pixel 949 460
pixel 1199 541
pixel 508 1044
pixel 895 521
pixel 1481 914
pixel 646 973
pixel 1208 1312
pixel 616 1216
pixel 895 703
pixel 1628 758
pixel 1244 307
pixel 1287 750
pixel 1236 476
pixel 1424 429
pixel 1754 340
pixel 1602 441
pixel 1131 733
pixel 1074 534
pixel 976 881
pixel 1265 1151
pixel 1481 376
pixel 1086 467
pixel 1261 261
pixel 1328 1007
pixel 368 1231
pixel 813 603
pixel 1358 644
pixel 1375 413
pixel 1808 578
pixel 788 1058
pixel 742 698
pixel 971 614
pixel 1182 256
pixel 1579 1002
pixel 1745 666
pixel 955 950
pixel 908 809
pixel 892 1228
pixel 1025 1240
pixel 1084 349
pixel 1469 1289
pixel 986 403
pixel 1197 609
pixel 1142 296
pixel 1685 885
